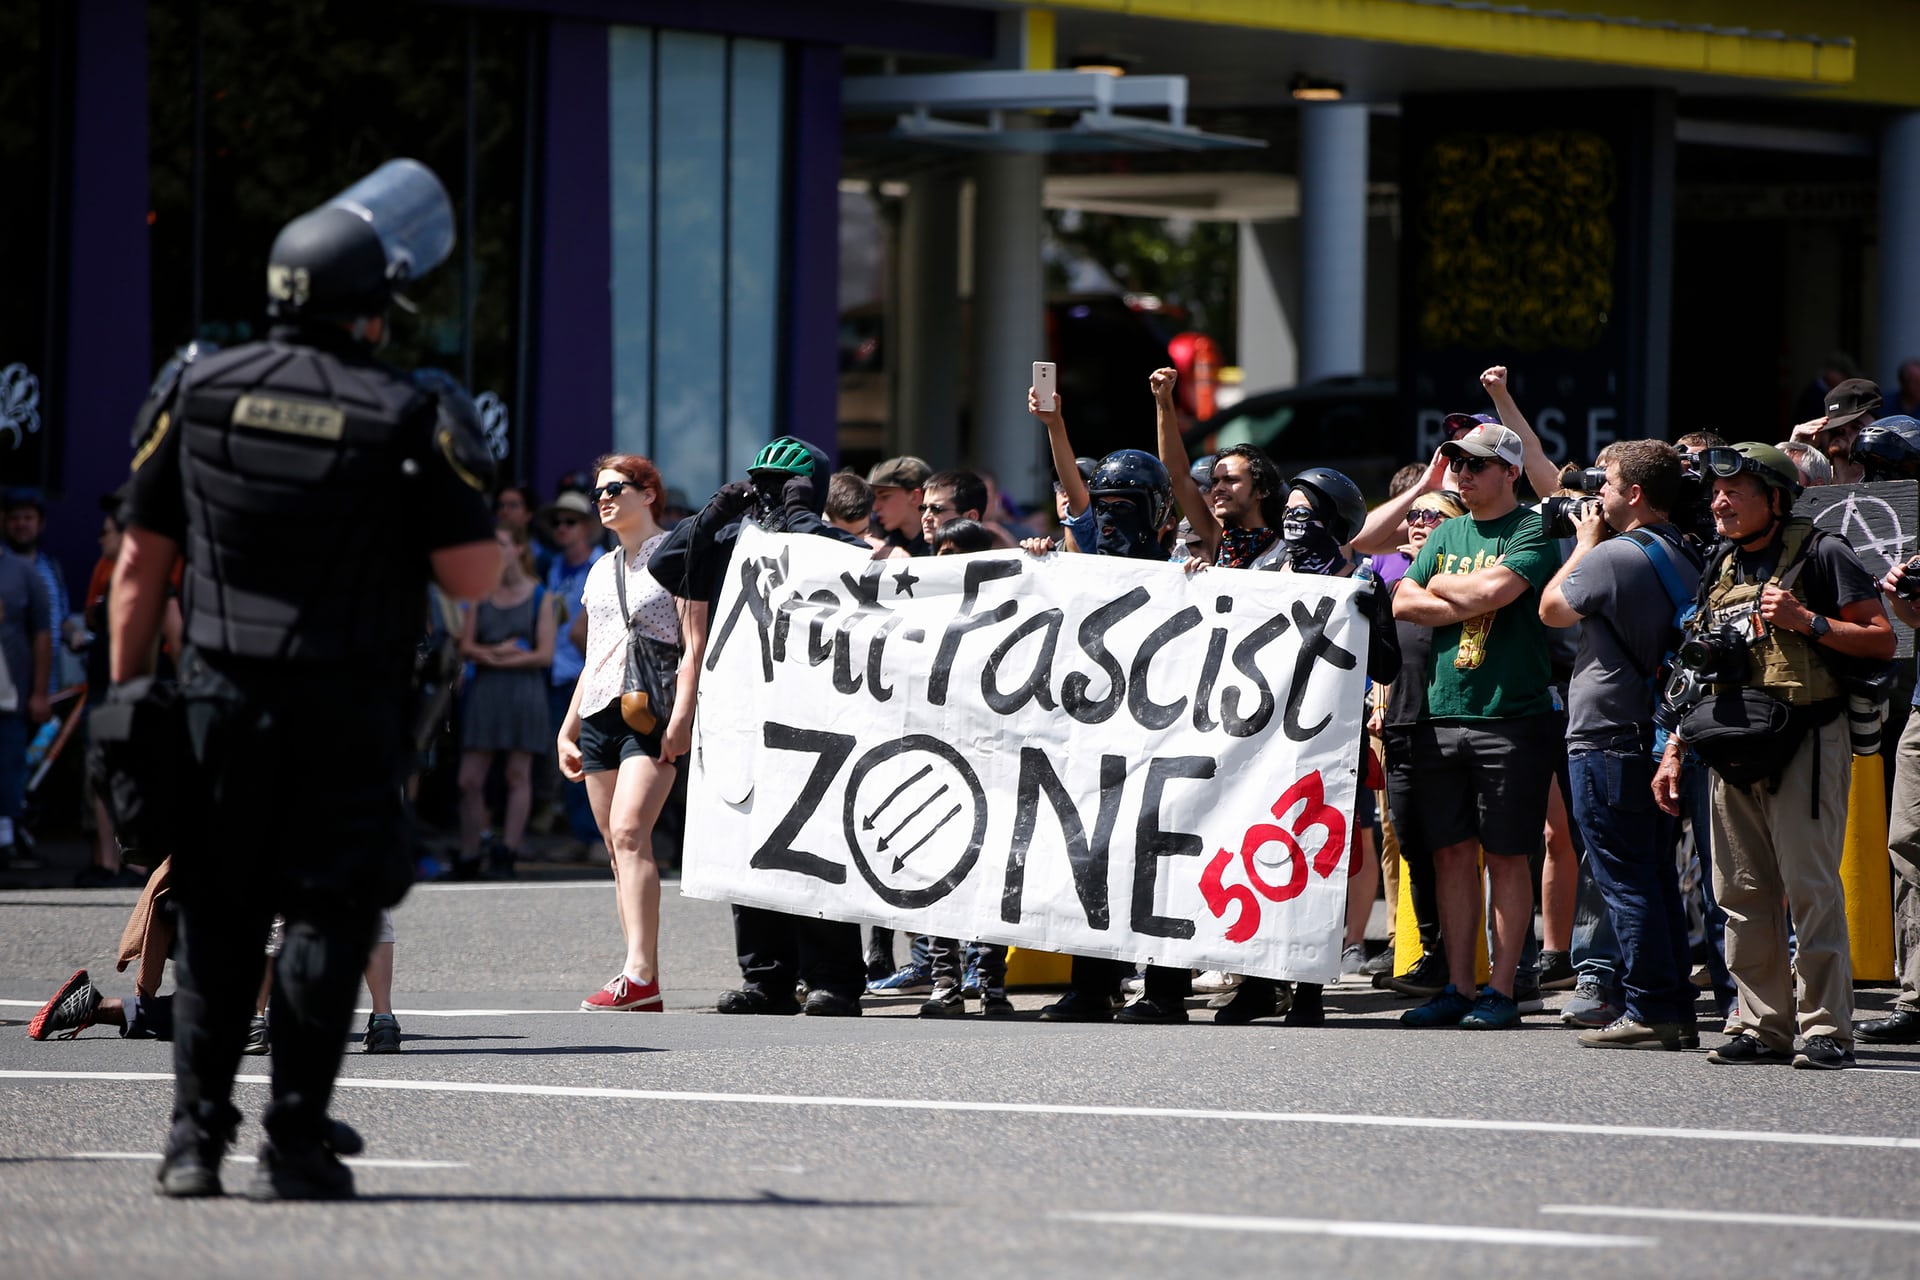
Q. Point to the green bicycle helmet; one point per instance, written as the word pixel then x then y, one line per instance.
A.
pixel 785 455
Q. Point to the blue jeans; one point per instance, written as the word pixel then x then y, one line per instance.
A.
pixel 1596 952
pixel 1633 867
pixel 1696 802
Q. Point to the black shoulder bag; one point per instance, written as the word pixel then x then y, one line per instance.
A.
pixel 653 668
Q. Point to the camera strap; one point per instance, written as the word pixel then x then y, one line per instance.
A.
pixel 1659 554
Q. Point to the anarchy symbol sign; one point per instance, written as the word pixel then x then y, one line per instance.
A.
pixel 1880 521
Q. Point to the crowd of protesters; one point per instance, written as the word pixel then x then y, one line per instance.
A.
pixel 1543 641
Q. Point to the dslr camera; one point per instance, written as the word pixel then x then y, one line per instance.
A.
pixel 1715 657
pixel 1559 511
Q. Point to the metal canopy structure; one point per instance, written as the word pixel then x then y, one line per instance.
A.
pixel 924 104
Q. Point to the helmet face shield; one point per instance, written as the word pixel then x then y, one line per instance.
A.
pixel 409 210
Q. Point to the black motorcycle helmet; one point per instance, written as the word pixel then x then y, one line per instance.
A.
pixel 1889 448
pixel 1136 474
pixel 327 265
pixel 1338 500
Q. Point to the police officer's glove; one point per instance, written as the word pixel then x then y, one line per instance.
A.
pixel 139 735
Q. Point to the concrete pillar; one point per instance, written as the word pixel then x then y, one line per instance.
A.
pixel 1333 239
pixel 1899 248
pixel 1269 303
pixel 927 412
pixel 1008 330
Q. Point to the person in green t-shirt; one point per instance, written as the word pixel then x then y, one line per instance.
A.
pixel 1483 754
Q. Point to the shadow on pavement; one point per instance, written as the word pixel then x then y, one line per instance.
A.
pixel 765 1200
pixel 531 1052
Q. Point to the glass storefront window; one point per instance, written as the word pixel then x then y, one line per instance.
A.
pixel 696 145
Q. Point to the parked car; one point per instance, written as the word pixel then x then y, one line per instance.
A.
pixel 1352 424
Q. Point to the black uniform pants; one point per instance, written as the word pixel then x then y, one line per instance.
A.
pixel 776 950
pixel 290 803
pixel 1098 976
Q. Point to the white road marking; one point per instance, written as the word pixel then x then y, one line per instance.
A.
pixel 1750 1219
pixel 363 1162
pixel 1458 1124
pixel 25 1004
pixel 521 886
pixel 1449 1233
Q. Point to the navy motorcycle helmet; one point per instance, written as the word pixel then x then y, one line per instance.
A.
pixel 1337 501
pixel 1889 448
pixel 1135 474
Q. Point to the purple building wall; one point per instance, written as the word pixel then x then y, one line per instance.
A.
pixel 107 362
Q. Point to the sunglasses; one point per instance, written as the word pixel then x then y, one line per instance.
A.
pixel 568 522
pixel 1474 465
pixel 935 508
pixel 611 489
pixel 1421 515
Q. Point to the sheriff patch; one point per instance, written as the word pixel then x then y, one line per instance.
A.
pixel 295 417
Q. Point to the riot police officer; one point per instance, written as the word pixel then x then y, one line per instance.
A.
pixel 314 491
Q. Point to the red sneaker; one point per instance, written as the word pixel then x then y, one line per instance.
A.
pixel 623 994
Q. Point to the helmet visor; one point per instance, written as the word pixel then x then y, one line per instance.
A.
pixel 409 210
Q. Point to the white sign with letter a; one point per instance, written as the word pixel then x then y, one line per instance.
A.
pixel 1078 753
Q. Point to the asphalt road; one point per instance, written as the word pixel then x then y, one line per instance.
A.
pixel 514 1136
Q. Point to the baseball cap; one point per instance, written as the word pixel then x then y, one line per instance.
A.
pixel 1488 440
pixel 904 472
pixel 570 502
pixel 1851 399
pixel 1465 421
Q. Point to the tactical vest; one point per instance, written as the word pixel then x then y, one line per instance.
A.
pixel 302 468
pixel 1781 662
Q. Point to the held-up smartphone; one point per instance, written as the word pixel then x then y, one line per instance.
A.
pixel 1043 384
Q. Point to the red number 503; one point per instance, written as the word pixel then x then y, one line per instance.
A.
pixel 1314 813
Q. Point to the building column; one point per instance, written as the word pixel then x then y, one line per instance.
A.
pixel 1008 330
pixel 108 362
pixel 573 362
pixel 810 399
pixel 1333 240
pixel 1269 303
pixel 927 409
pixel 1899 250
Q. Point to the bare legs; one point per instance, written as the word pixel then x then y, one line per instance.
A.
pixel 473 802
pixel 1361 887
pixel 625 805
pixel 1559 876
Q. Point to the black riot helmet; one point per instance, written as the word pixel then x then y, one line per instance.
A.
pixel 1889 449
pixel 350 257
pixel 1338 500
pixel 1136 474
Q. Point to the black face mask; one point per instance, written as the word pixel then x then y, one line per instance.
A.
pixel 1124 531
pixel 1310 548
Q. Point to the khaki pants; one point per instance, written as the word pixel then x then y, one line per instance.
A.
pixel 1767 846
pixel 1903 847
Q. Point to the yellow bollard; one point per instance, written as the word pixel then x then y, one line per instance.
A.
pixel 1406 929
pixel 1866 874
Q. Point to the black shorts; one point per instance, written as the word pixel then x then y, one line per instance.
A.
pixel 1485 780
pixel 606 741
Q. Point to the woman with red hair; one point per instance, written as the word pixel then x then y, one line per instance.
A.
pixel 629 773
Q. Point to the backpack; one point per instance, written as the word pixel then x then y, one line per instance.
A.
pixel 1660 552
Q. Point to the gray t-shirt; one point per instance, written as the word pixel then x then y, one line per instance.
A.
pixel 1628 625
pixel 27 613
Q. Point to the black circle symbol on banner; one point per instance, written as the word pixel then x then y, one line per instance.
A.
pixel 903 820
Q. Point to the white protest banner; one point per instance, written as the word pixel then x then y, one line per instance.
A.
pixel 1077 753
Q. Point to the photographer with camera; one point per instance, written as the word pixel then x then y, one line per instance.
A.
pixel 1622 590
pixel 1761 704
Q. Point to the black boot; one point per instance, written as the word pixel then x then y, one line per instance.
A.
pixel 1307 1009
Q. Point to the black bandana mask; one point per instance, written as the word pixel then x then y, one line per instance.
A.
pixel 1310 548
pixel 1124 531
